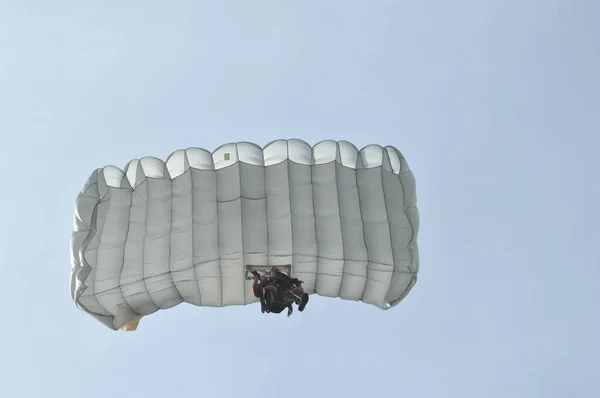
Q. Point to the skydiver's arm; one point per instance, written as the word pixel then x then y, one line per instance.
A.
pixel 256 288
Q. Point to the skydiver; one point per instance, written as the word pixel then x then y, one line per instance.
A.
pixel 278 291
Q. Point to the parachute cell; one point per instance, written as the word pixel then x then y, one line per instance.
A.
pixel 157 234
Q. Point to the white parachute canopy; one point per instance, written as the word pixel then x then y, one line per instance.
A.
pixel 157 234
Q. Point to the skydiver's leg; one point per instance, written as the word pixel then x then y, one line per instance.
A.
pixel 298 292
pixel 270 294
pixel 303 303
pixel 290 310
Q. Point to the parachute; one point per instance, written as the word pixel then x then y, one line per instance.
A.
pixel 189 229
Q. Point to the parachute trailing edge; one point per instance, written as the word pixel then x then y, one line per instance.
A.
pixel 159 233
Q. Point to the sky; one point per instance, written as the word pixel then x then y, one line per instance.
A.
pixel 494 104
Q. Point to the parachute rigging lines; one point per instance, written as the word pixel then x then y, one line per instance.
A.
pixel 157 234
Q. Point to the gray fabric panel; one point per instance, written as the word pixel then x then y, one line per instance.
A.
pixel 303 224
pixel 111 252
pixel 206 236
pixel 83 223
pixel 254 220
pixel 229 209
pixel 157 245
pixel 377 236
pixel 158 234
pixel 77 239
pixel 355 250
pixel 400 235
pixel 89 298
pixel 279 220
pixel 329 230
pixel 132 283
pixel 182 240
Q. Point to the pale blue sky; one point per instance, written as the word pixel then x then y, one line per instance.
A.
pixel 495 104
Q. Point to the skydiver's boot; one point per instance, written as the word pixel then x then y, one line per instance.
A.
pixel 290 310
pixel 303 303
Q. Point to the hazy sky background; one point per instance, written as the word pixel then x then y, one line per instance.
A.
pixel 495 105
